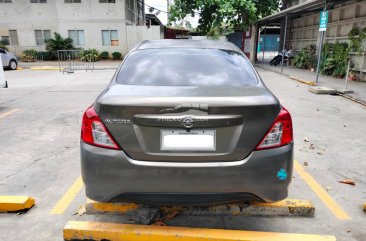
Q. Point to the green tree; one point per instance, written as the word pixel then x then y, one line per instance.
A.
pixel 218 13
pixel 58 43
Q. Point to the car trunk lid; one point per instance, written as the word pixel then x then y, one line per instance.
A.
pixel 234 118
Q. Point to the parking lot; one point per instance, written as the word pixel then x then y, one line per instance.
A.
pixel 40 117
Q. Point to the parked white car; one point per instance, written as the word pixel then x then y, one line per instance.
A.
pixel 3 83
pixel 9 60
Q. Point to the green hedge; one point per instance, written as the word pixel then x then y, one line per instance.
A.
pixel 116 55
pixel 335 59
pixel 89 55
pixel 104 55
pixel 47 56
pixel 29 55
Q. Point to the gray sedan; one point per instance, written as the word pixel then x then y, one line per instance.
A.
pixel 186 122
pixel 9 60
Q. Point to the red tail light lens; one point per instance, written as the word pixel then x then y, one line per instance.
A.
pixel 280 133
pixel 94 132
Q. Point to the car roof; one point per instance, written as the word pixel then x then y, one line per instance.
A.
pixel 187 43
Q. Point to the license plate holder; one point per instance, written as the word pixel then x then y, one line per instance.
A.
pixel 184 140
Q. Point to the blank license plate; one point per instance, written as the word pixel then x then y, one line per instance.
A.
pixel 182 140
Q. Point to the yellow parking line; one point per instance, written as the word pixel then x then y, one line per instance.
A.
pixel 321 193
pixel 65 201
pixel 76 230
pixel 8 113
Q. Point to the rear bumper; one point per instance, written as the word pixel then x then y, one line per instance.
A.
pixel 111 176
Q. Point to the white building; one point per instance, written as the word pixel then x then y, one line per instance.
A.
pixel 100 24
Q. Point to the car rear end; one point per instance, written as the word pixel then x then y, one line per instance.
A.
pixel 186 125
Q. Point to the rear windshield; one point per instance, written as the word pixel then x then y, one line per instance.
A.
pixel 186 67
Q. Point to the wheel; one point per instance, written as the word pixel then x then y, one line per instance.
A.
pixel 13 64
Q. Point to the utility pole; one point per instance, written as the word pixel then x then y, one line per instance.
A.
pixel 167 11
pixel 284 43
pixel 322 29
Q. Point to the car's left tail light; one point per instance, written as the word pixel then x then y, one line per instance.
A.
pixel 280 133
pixel 94 132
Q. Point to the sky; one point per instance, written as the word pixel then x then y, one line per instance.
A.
pixel 162 5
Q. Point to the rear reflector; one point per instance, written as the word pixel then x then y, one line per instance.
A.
pixel 94 132
pixel 279 134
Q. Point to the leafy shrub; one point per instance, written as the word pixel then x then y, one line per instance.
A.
pixel 356 37
pixel 29 55
pixel 300 60
pixel 214 33
pixel 104 55
pixel 2 46
pixel 335 59
pixel 312 57
pixel 306 59
pixel 89 55
pixel 116 55
pixel 47 55
pixel 329 66
pixel 58 43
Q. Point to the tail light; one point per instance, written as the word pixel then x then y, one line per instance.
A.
pixel 280 133
pixel 94 132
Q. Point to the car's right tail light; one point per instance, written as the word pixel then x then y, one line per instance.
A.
pixel 279 134
pixel 94 132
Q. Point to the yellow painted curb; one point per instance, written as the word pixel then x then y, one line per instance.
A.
pixel 16 203
pixel 98 207
pixel 19 68
pixel 45 68
pixel 76 230
pixel 312 83
pixel 288 207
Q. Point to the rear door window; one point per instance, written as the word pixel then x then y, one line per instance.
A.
pixel 186 67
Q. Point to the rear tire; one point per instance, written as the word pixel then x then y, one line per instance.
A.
pixel 13 64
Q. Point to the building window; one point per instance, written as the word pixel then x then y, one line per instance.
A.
pixel 38 1
pixel 13 37
pixel 5 1
pixel 110 37
pixel 107 1
pixel 77 37
pixel 130 10
pixel 5 40
pixel 42 36
pixel 72 1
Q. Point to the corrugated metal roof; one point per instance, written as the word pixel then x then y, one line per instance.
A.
pixel 309 6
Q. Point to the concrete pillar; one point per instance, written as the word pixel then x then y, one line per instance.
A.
pixel 254 43
pixel 282 35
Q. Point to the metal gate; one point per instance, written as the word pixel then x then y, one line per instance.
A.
pixel 71 60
